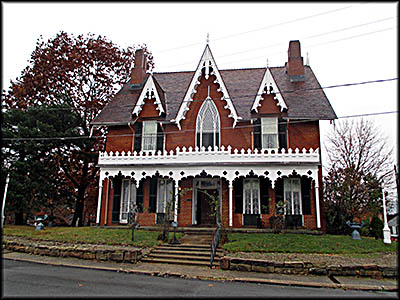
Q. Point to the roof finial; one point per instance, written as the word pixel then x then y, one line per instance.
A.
pixel 307 60
pixel 267 63
pixel 208 38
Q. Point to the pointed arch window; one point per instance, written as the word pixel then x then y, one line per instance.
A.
pixel 208 125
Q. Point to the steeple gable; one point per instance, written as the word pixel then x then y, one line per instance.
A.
pixel 208 65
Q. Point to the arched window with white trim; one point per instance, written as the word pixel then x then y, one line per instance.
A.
pixel 208 125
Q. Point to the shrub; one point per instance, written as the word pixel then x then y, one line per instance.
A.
pixel 376 228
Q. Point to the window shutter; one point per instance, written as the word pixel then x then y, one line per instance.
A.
pixel 278 190
pixel 160 138
pixel 153 194
pixel 140 197
pixel 264 195
pixel 257 134
pixel 282 126
pixel 306 195
pixel 116 200
pixel 238 188
pixel 138 137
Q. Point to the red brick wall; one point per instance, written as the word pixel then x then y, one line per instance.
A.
pixel 237 138
pixel 303 134
pixel 186 203
pixel 269 105
pixel 300 135
pixel 149 110
pixel 119 138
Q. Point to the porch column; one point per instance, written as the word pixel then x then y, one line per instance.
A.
pixel 317 204
pixel 99 201
pixel 230 203
pixel 176 202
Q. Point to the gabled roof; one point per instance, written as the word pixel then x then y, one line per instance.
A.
pixel 150 90
pixel 268 85
pixel 207 63
pixel 304 100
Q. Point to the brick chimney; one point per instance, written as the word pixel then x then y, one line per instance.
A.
pixel 139 70
pixel 295 65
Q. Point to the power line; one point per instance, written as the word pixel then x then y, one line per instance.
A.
pixel 189 130
pixel 320 44
pixel 310 37
pixel 259 29
pixel 250 95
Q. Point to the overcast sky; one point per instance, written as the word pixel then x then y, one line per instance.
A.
pixel 346 42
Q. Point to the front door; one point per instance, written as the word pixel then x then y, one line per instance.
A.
pixel 205 212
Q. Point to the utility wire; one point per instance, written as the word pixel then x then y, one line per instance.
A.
pixel 249 95
pixel 258 29
pixel 310 37
pixel 188 130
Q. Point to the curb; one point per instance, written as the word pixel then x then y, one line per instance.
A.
pixel 218 278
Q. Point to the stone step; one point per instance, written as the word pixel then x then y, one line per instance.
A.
pixel 179 261
pixel 184 252
pixel 181 257
pixel 189 247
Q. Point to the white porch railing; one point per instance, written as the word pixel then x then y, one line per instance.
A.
pixel 210 156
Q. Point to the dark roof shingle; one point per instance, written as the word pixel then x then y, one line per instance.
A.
pixel 304 99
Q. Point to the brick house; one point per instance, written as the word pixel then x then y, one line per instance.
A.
pixel 249 136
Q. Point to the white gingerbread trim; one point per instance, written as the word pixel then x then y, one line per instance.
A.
pixel 206 61
pixel 269 82
pixel 148 88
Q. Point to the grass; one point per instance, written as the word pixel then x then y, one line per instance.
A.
pixel 238 242
pixel 91 235
pixel 302 243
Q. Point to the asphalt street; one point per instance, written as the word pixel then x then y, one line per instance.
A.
pixel 32 279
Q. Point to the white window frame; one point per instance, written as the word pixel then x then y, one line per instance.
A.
pixel 208 105
pixel 162 199
pixel 253 209
pixel 269 127
pixel 125 201
pixel 149 131
pixel 289 188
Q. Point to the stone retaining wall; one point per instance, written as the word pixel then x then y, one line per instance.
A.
pixel 133 255
pixel 307 268
pixel 86 251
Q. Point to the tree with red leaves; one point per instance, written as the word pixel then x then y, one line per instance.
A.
pixel 84 72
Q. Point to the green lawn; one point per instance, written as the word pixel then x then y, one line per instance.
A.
pixel 303 243
pixel 256 242
pixel 92 235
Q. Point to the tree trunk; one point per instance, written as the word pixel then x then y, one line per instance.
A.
pixel 19 218
pixel 80 200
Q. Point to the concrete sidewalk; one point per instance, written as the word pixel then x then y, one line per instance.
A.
pixel 204 273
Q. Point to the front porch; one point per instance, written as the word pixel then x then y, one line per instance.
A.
pixel 245 183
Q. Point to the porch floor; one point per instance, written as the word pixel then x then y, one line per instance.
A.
pixel 195 229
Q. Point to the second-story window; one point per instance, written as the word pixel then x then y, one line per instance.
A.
pixel 208 125
pixel 269 133
pixel 149 136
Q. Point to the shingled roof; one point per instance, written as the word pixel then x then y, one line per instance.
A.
pixel 305 99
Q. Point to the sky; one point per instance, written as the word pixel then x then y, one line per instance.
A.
pixel 345 42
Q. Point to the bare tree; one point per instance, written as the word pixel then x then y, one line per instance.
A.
pixel 360 165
